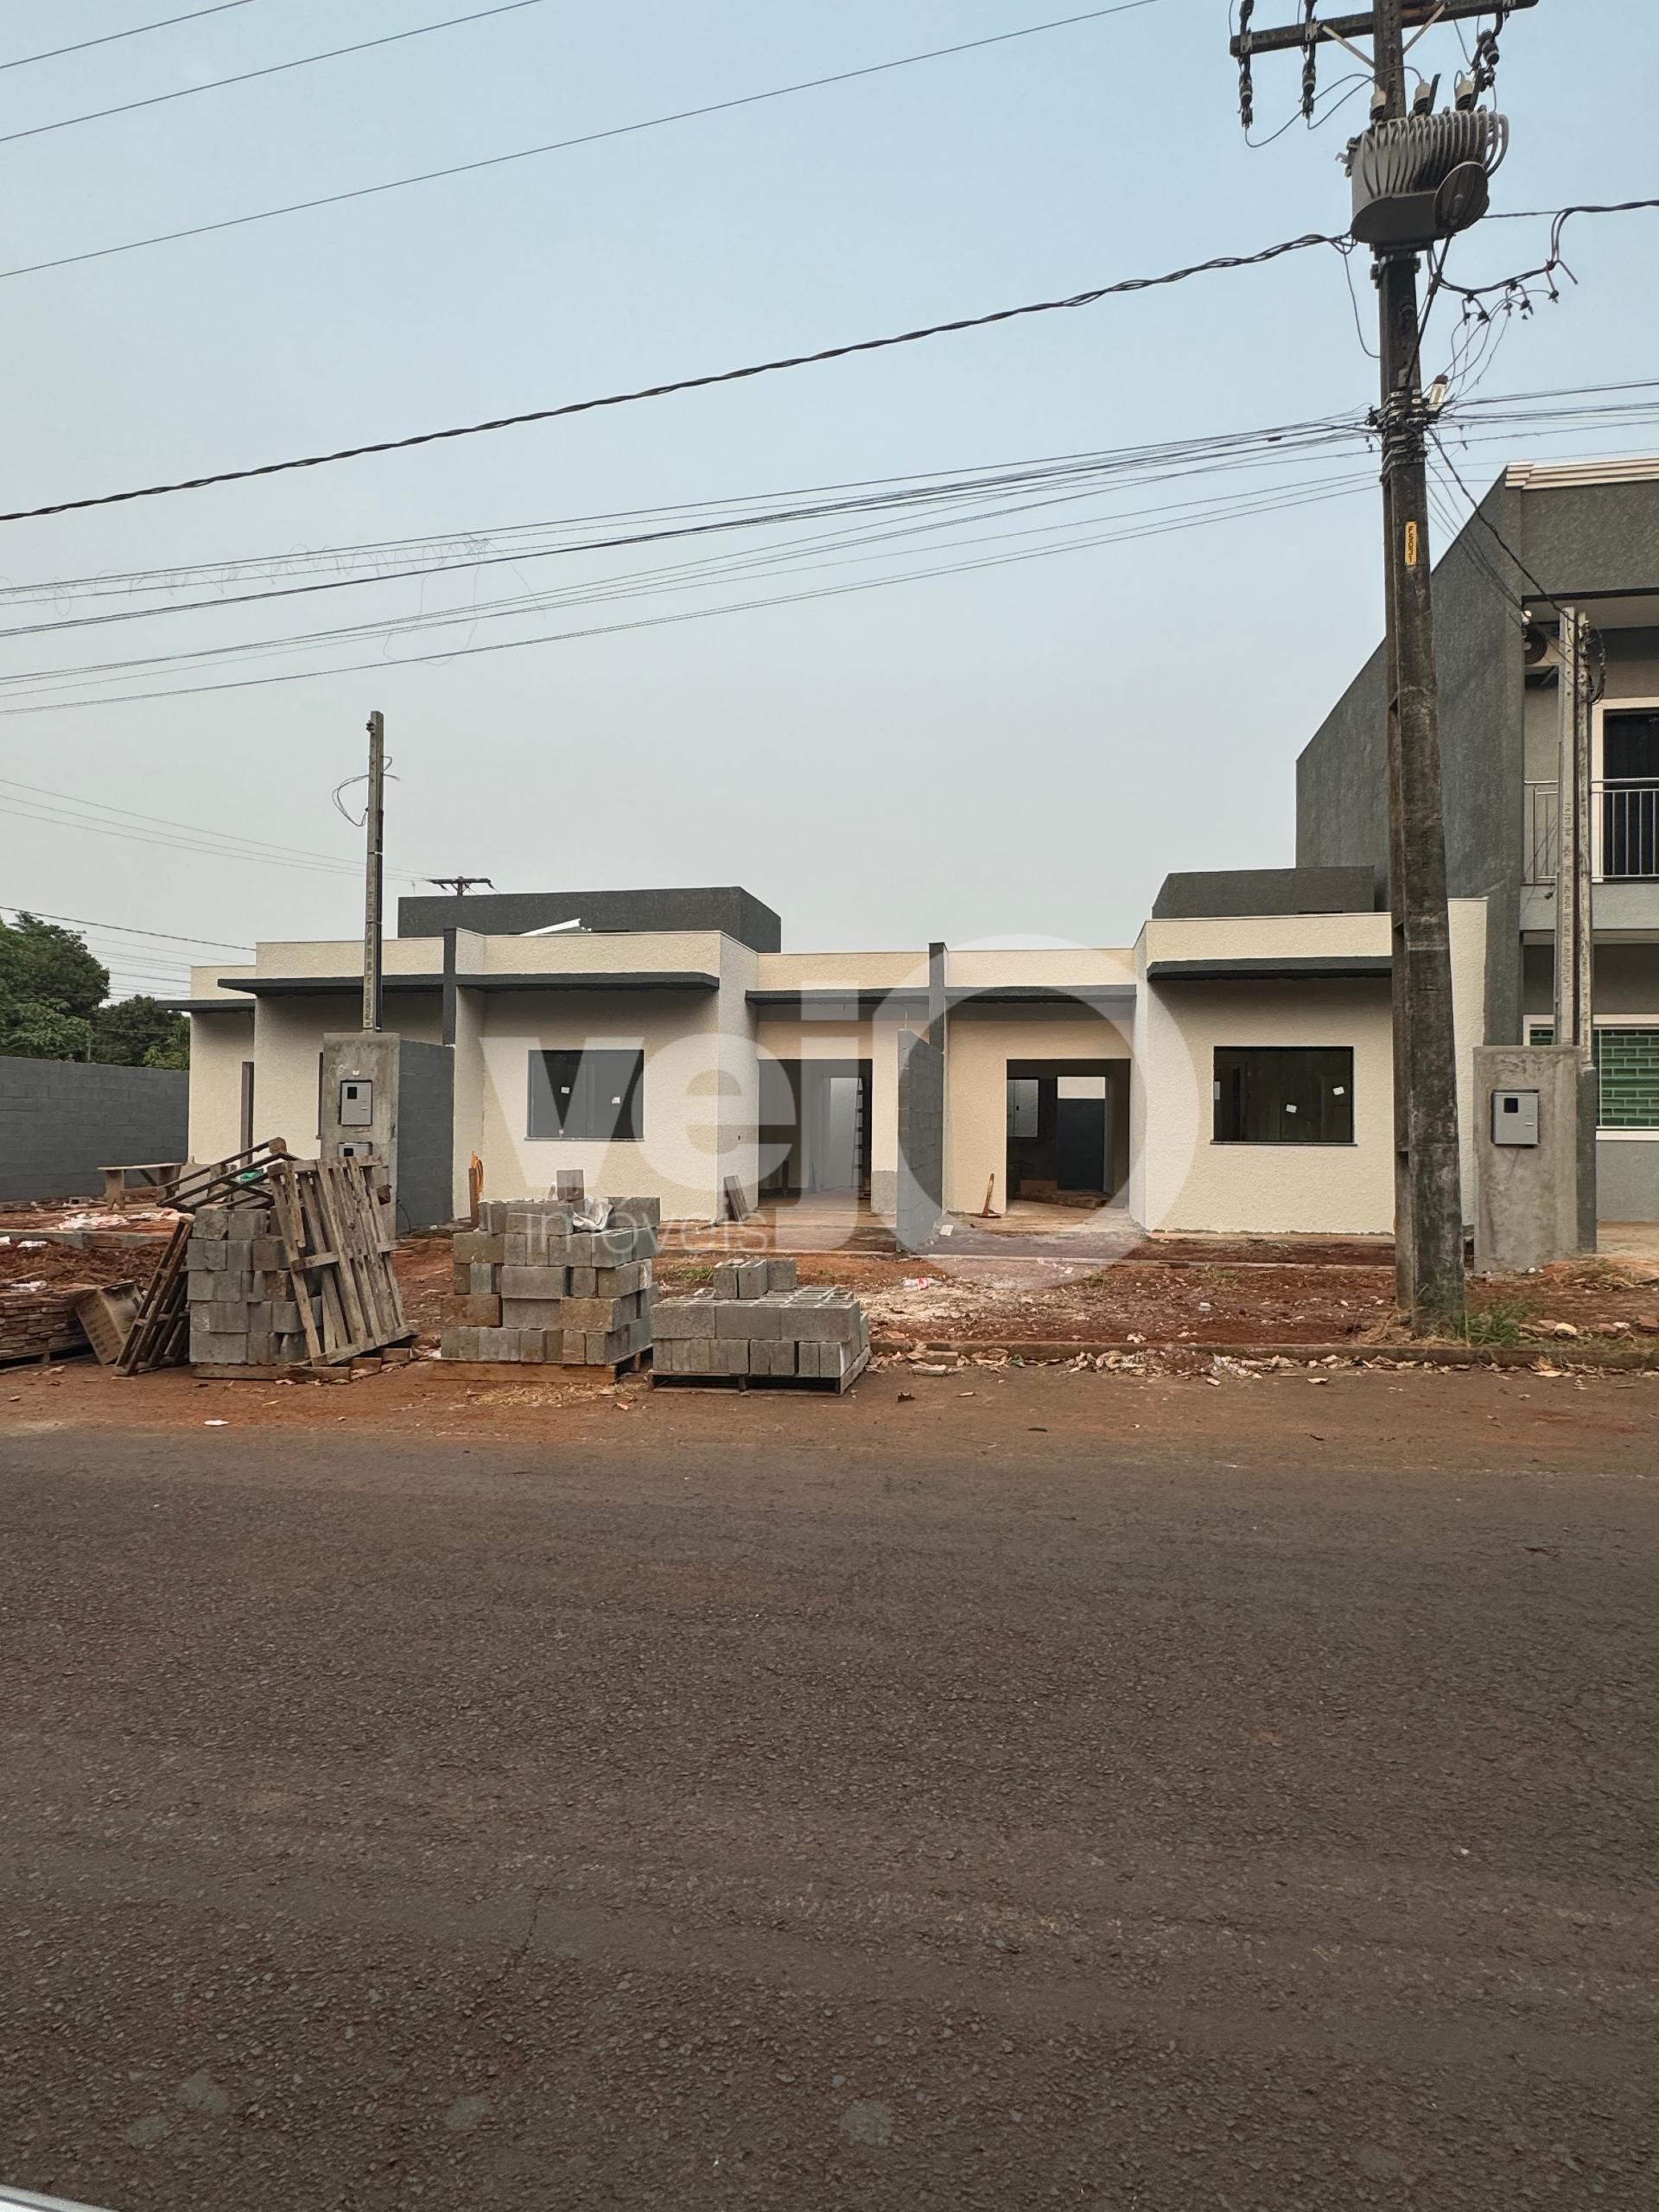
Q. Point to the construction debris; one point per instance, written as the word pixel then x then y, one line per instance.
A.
pixel 532 1286
pixel 38 1321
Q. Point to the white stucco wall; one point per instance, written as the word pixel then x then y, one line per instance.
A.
pixel 219 1043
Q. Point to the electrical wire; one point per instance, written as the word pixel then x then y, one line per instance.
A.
pixel 134 30
pixel 127 929
pixel 273 69
pixel 1218 262
pixel 173 835
pixel 719 568
pixel 1098 471
pixel 564 145
pixel 461 652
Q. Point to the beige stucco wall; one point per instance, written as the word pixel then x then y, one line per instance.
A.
pixel 219 1045
pixel 678 1157
pixel 1181 1178
pixel 822 971
pixel 979 1047
pixel 1064 967
pixel 586 952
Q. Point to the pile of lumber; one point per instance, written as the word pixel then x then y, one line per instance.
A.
pixel 532 1285
pixel 39 1322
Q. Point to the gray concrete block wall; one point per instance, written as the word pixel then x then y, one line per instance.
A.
pixel 62 1121
pixel 920 1205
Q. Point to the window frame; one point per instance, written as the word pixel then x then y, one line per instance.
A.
pixel 628 1124
pixel 1297 1143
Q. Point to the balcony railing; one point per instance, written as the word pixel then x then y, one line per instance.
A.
pixel 1624 823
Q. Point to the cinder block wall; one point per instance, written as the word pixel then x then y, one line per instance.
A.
pixel 61 1121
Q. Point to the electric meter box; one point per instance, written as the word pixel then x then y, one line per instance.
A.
pixel 388 1099
pixel 1534 1156
pixel 1515 1117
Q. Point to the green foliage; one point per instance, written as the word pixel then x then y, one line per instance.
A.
pixel 43 963
pixel 52 995
pixel 30 1031
pixel 139 1033
pixel 1503 1322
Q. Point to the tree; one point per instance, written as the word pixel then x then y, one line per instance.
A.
pixel 30 1031
pixel 139 1032
pixel 44 964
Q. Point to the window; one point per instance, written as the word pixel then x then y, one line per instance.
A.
pixel 1284 1094
pixel 591 1097
pixel 1627 1060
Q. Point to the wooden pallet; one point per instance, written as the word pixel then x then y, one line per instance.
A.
pixel 160 1335
pixel 238 1180
pixel 338 1243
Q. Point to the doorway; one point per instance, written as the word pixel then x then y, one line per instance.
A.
pixel 1067 1130
pixel 814 1128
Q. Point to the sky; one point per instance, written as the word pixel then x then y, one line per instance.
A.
pixel 1015 752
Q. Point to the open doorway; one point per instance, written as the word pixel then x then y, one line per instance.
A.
pixel 814 1128
pixel 1068 1128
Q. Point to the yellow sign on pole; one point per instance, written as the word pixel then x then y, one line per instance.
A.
pixel 1411 544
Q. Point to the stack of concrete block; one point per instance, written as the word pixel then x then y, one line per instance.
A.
pixel 748 1324
pixel 532 1286
pixel 243 1310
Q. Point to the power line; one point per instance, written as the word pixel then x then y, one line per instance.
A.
pixel 648 582
pixel 562 636
pixel 273 69
pixel 127 929
pixel 564 145
pixel 136 30
pixel 1187 457
pixel 688 383
pixel 181 836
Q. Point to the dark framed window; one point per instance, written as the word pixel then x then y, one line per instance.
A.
pixel 589 1097
pixel 1284 1094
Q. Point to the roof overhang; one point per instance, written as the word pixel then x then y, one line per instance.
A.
pixel 635 979
pixel 1321 968
pixel 850 1004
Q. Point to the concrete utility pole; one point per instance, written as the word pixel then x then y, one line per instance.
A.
pixel 1574 846
pixel 375 824
pixel 1419 178
pixel 460 885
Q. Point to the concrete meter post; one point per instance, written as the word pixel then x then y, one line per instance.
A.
pixel 1531 1105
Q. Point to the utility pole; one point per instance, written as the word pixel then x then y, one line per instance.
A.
pixel 1419 178
pixel 460 885
pixel 375 822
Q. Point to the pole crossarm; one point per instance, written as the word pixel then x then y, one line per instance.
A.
pixel 1417 15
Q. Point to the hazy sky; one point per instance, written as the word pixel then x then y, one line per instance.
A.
pixel 1025 749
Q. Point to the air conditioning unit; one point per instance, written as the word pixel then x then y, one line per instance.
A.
pixel 1424 177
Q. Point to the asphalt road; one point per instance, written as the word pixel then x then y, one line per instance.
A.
pixel 1089 1793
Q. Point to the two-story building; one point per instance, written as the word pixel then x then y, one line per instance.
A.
pixel 1545 537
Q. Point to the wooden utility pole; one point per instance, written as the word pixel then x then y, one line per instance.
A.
pixel 1428 1198
pixel 374 823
